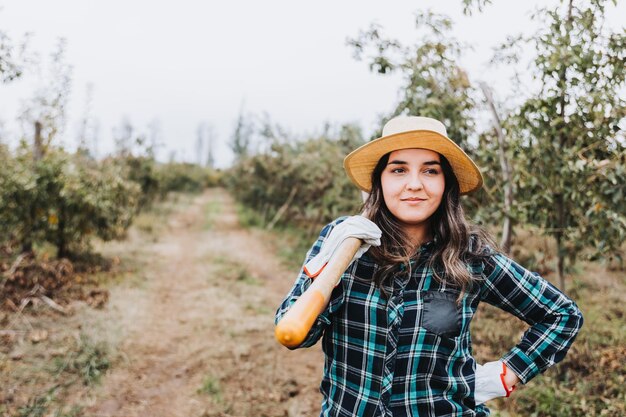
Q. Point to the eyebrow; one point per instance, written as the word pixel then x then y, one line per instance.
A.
pixel 398 162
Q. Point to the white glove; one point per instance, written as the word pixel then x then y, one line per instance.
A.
pixel 490 382
pixel 353 226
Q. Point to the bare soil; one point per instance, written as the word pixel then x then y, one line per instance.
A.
pixel 199 337
pixel 190 330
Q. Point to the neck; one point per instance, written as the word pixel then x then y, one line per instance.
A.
pixel 418 234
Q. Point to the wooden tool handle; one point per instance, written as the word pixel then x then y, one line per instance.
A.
pixel 292 329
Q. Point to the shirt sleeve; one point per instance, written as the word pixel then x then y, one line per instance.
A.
pixel 554 319
pixel 303 282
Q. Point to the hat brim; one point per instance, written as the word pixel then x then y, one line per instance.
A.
pixel 360 163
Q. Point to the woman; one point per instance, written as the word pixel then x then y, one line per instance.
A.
pixel 396 330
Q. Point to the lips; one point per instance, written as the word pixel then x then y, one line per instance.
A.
pixel 413 199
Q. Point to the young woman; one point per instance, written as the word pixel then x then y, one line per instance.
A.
pixel 396 330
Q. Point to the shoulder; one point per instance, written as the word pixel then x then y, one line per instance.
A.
pixel 330 226
pixel 481 245
pixel 339 220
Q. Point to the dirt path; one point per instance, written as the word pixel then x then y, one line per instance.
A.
pixel 197 338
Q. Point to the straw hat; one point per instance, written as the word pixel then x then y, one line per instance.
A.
pixel 405 132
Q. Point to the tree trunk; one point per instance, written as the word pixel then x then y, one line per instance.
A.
pixel 27 246
pixel 560 263
pixel 281 211
pixel 38 144
pixel 560 251
pixel 27 242
pixel 505 166
pixel 561 221
pixel 62 251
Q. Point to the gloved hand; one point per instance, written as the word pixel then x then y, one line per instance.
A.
pixel 353 226
pixel 490 382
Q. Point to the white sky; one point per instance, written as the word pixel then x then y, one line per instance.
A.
pixel 184 62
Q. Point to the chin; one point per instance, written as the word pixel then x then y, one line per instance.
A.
pixel 413 221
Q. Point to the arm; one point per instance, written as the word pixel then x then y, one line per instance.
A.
pixel 302 283
pixel 554 319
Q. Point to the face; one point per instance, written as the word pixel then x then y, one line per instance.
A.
pixel 413 185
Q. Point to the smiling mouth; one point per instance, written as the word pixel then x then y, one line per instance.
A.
pixel 413 199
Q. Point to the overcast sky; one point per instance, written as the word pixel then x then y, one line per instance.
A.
pixel 184 62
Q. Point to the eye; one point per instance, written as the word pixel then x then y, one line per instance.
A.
pixel 431 171
pixel 398 170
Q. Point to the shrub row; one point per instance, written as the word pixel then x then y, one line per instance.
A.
pixel 66 199
pixel 297 182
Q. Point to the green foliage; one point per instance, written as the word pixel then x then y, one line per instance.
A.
pixel 94 200
pixel 242 136
pixel 469 5
pixel 157 180
pixel 185 177
pixel 68 199
pixel 37 406
pixel 211 386
pixel 297 182
pixel 571 165
pixel 89 361
pixel 24 189
pixel 11 66
pixel 434 84
pixel 143 170
pixel 63 200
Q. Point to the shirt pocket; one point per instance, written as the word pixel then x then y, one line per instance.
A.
pixel 441 314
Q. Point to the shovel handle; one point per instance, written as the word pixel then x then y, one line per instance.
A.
pixel 293 328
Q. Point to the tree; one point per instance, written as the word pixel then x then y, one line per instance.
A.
pixel 434 84
pixel 87 128
pixel 505 167
pixel 200 131
pixel 242 136
pixel 123 137
pixel 573 161
pixel 43 117
pixel 154 138
pixel 210 159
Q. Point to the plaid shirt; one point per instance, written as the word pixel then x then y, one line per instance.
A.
pixel 411 354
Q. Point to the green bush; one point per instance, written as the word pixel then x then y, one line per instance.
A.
pixel 94 201
pixel 143 170
pixel 298 182
pixel 64 200
pixel 184 177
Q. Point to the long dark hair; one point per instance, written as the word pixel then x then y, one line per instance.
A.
pixel 456 241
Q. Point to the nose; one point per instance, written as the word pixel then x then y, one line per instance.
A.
pixel 414 182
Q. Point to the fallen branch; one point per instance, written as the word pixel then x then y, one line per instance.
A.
pixel 24 303
pixel 15 264
pixel 282 209
pixel 9 272
pixel 53 305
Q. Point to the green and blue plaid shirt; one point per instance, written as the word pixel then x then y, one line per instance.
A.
pixel 410 354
